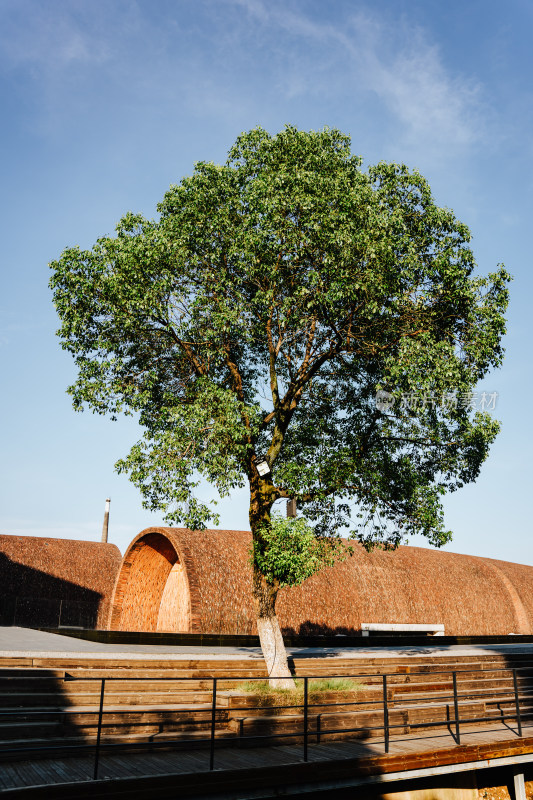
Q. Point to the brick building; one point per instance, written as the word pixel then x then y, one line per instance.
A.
pixel 48 582
pixel 176 579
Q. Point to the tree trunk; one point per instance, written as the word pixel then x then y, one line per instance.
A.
pixel 265 593
pixel 270 636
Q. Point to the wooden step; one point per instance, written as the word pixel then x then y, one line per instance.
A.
pixel 206 665
pixel 352 724
pixel 72 746
pixel 69 686
pixel 22 700
pixel 25 729
pixel 144 739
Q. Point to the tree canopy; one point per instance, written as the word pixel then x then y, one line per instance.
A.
pixel 259 316
pixel 290 269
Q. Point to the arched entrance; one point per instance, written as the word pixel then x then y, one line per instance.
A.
pixel 152 591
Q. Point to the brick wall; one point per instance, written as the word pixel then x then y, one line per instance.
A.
pixel 469 595
pixel 51 582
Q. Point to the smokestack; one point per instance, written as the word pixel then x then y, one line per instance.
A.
pixel 291 507
pixel 105 526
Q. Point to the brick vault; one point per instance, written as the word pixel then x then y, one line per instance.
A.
pixel 174 579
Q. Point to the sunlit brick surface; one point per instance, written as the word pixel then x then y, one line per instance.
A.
pixel 210 591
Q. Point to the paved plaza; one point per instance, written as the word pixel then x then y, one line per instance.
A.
pixel 40 644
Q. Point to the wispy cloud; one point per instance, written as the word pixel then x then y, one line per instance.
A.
pixel 394 60
pixel 18 325
pixel 54 37
pixel 411 79
pixel 238 58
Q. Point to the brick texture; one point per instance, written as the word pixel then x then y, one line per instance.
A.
pixel 49 582
pixel 177 579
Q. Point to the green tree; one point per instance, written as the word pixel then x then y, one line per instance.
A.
pixel 259 317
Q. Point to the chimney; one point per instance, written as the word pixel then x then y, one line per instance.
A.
pixel 291 507
pixel 105 526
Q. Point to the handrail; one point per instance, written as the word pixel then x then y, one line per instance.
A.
pixel 389 687
pixel 99 733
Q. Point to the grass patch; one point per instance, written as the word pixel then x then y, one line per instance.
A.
pixel 266 695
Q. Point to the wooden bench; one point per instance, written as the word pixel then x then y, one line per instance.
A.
pixel 399 627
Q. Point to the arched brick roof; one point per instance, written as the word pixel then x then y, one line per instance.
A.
pixel 213 592
pixel 178 579
pixel 49 581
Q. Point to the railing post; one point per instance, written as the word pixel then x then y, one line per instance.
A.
pixel 305 718
pixel 385 714
pixel 517 703
pixel 213 722
pixel 456 709
pixel 99 733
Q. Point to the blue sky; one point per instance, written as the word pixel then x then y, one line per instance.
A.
pixel 106 104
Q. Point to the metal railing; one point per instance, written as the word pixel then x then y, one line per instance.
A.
pixel 387 684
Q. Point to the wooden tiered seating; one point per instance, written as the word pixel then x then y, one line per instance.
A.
pixel 153 701
pixel 150 699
